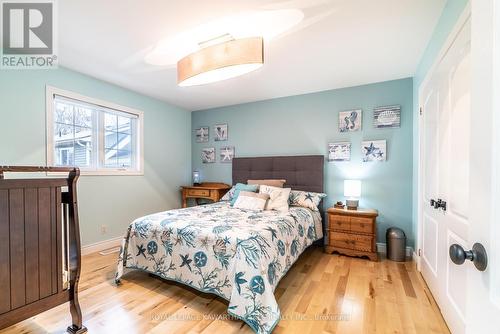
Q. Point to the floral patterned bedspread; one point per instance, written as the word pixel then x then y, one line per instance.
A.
pixel 239 255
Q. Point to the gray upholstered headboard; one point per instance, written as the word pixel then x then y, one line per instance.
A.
pixel 303 172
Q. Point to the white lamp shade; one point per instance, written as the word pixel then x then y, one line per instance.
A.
pixel 196 177
pixel 352 188
pixel 221 61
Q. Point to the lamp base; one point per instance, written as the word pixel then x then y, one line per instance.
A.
pixel 352 204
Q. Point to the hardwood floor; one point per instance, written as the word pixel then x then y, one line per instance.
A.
pixel 321 294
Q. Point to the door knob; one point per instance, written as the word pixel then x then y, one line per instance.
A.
pixel 477 255
pixel 440 204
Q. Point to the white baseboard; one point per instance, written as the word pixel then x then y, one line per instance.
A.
pixel 416 259
pixel 102 245
pixel 382 248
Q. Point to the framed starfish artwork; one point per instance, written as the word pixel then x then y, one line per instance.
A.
pixel 374 150
pixel 208 155
pixel 202 134
pixel 227 154
pixel 350 120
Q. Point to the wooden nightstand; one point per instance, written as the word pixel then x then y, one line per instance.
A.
pixel 208 190
pixel 352 232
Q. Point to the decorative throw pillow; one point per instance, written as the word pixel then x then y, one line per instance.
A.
pixel 243 187
pixel 251 201
pixel 278 197
pixel 269 182
pixel 229 195
pixel 306 199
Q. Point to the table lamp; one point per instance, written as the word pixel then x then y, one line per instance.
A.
pixel 352 190
pixel 196 178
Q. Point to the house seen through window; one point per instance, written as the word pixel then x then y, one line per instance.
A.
pixel 94 137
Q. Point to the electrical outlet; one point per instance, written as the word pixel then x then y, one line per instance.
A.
pixel 104 229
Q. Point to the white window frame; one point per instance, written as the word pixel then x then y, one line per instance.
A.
pixel 67 150
pixel 138 169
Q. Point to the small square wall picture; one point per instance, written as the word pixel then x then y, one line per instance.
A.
pixel 374 150
pixel 220 132
pixel 208 155
pixel 339 151
pixel 350 120
pixel 227 154
pixel 387 117
pixel 202 134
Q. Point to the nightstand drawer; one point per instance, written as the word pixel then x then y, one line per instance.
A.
pixel 198 192
pixel 342 240
pixel 363 243
pixel 351 241
pixel 339 222
pixel 362 225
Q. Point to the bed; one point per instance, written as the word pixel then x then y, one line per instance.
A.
pixel 239 255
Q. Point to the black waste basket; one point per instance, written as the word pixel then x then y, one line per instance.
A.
pixel 396 244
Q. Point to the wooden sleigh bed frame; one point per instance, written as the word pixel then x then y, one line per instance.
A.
pixel 40 254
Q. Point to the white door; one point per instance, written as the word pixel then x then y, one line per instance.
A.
pixel 445 152
pixel 445 156
pixel 460 164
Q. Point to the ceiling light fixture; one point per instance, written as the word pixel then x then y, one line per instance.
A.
pixel 230 47
pixel 221 61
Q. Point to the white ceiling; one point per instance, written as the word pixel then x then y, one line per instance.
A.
pixel 340 43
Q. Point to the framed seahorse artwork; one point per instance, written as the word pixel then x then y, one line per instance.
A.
pixel 350 120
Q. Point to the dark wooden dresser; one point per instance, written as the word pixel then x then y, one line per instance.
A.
pixel 352 232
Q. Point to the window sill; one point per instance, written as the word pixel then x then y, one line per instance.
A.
pixel 84 172
pixel 111 172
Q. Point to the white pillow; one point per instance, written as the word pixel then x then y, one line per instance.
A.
pixel 278 197
pixel 251 201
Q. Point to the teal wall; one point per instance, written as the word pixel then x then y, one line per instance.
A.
pixel 103 200
pixel 449 17
pixel 305 124
pixel 302 124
